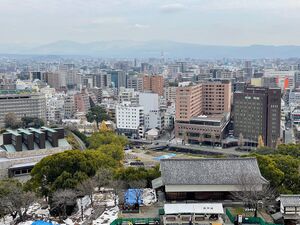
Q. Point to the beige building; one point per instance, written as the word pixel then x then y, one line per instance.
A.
pixel 203 111
pixel 22 104
pixel 188 102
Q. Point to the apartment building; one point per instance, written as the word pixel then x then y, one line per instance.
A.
pixel 154 84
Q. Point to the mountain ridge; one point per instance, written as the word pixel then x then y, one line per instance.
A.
pixel 172 49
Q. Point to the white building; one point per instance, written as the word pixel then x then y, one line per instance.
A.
pixel 150 101
pixel 130 120
pixel 154 119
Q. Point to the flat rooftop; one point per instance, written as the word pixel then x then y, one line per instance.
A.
pixel 213 117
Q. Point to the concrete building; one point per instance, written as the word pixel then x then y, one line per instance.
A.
pixel 170 94
pixel 55 80
pixel 257 111
pixel 216 97
pixel 210 129
pixel 21 149
pixel 82 102
pixel 282 79
pixel 22 104
pixel 154 119
pixel 69 106
pixel 188 102
pixel 135 82
pixel 150 101
pixel 154 84
pixel 118 78
pixel 130 120
pixel 128 95
pixel 203 112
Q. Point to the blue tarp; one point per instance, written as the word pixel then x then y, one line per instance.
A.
pixel 165 156
pixel 41 222
pixel 131 196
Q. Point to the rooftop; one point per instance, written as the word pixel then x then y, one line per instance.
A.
pixel 198 208
pixel 209 171
pixel 290 200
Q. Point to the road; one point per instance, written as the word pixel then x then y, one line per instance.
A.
pixel 197 149
pixel 80 142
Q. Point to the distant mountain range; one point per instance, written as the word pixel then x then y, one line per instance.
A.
pixel 153 49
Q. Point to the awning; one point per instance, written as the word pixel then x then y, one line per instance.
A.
pixel 197 208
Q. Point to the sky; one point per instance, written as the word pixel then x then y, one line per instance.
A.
pixel 208 22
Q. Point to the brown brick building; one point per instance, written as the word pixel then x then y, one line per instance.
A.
pixel 154 83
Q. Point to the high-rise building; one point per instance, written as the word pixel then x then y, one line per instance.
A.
pixel 135 82
pixel 216 97
pixel 257 113
pixel 118 78
pixel 154 84
pixel 22 104
pixel 248 70
pixel 203 111
pixel 55 80
pixel 188 102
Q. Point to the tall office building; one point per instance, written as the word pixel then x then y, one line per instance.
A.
pixel 248 70
pixel 154 83
pixel 118 78
pixel 22 104
pixel 257 112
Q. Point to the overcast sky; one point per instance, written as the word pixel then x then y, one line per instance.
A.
pixel 216 22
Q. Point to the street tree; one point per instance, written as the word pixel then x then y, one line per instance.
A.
pixel 252 192
pixel 97 114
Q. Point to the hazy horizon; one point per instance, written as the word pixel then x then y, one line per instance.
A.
pixel 205 22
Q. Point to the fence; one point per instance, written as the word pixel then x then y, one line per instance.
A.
pixel 249 220
pixel 136 221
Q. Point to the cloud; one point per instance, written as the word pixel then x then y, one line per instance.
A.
pixel 108 20
pixel 140 26
pixel 172 8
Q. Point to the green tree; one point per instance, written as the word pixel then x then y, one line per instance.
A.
pixel 98 139
pixel 98 114
pixel 281 170
pixel 67 169
pixel 113 150
pixel 130 174
pixel 289 149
